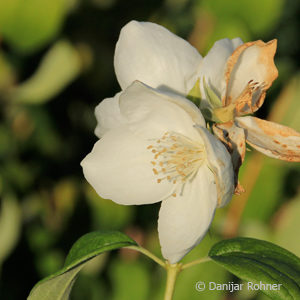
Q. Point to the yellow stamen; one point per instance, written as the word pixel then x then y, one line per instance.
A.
pixel 178 159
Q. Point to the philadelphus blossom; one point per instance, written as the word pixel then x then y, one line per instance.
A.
pixel 230 81
pixel 154 147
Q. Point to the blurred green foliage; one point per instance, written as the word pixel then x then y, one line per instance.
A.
pixel 27 25
pixel 56 64
pixel 58 67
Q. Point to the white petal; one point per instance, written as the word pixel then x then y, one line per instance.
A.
pixel 150 53
pixel 119 169
pixel 214 64
pixel 108 115
pixel 184 220
pixel 272 139
pixel 219 161
pixel 151 113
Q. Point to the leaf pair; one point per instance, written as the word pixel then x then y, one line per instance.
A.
pixel 249 259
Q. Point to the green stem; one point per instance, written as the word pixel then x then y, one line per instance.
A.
pixel 149 254
pixel 172 269
pixel 196 262
pixel 172 272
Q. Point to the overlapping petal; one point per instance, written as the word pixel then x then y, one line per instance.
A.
pixel 148 102
pixel 184 220
pixel 272 139
pixel 108 115
pixel 151 113
pixel 219 162
pixel 213 66
pixel 150 53
pixel 119 169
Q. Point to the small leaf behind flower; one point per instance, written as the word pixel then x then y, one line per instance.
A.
pixel 58 286
pixel 260 261
pixel 194 94
pixel 213 99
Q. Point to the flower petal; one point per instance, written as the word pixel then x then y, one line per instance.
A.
pixel 250 72
pixel 152 54
pixel 233 137
pixel 151 113
pixel 272 139
pixel 108 115
pixel 219 161
pixel 119 168
pixel 213 65
pixel 184 220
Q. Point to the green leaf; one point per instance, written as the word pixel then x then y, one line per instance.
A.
pixel 10 226
pixel 260 261
pixel 58 286
pixel 28 25
pixel 259 21
pixel 194 94
pixel 211 96
pixel 213 102
pixel 60 66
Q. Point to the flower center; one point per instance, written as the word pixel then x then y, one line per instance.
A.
pixel 176 158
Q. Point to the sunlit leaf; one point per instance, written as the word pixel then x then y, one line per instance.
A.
pixel 10 226
pixel 58 68
pixel 258 261
pixel 28 25
pixel 194 94
pixel 259 16
pixel 59 285
pixel 211 96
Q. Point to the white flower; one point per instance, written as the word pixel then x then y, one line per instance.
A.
pixel 234 77
pixel 154 147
